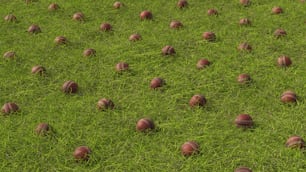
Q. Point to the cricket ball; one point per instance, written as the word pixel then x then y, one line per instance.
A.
pixel 190 148
pixel 244 78
pixel 122 66
pixel 243 169
pixel 9 107
pixel 70 87
pixel 212 12
pixel 245 47
pixel 197 100
pixel 209 36
pixel 145 124
pixel 10 18
pixel 53 7
pixel 175 25
pixel 284 61
pixel 157 82
pixel 34 29
pixel 168 50
pixel 82 153
pixel 146 15
pixel 104 104
pixel 279 33
pixel 105 27
pixel 9 55
pixel 59 40
pixel 42 129
pixel 135 37
pixel 182 3
pixel 295 142
pixel 288 97
pixel 117 5
pixel 244 22
pixel 277 10
pixel 38 70
pixel 79 16
pixel 244 121
pixel 245 2
pixel 202 63
pixel 89 52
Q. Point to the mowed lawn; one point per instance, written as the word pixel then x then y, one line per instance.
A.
pixel 111 134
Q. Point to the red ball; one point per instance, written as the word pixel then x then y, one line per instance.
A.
pixel 105 27
pixel 197 100
pixel 190 148
pixel 157 82
pixel 202 63
pixel 104 104
pixel 211 12
pixel 89 52
pixel 82 153
pixel 295 142
pixel 34 29
pixel 144 125
pixel 60 40
pixel 146 15
pixel 244 22
pixel 244 121
pixel 284 61
pixel 9 107
pixel 122 66
pixel 38 70
pixel 135 37
pixel 244 78
pixel 209 36
pixel 78 16
pixel 168 50
pixel 182 3
pixel 243 169
pixel 70 87
pixel 245 47
pixel 175 24
pixel 277 10
pixel 42 129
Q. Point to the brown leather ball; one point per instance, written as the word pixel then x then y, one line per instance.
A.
pixel 168 50
pixel 122 66
pixel 9 107
pixel 197 100
pixel 190 148
pixel 244 78
pixel 38 70
pixel 89 52
pixel 34 29
pixel 288 97
pixel 175 24
pixel 212 12
pixel 245 2
pixel 70 87
pixel 104 104
pixel 243 169
pixel 279 33
pixel 105 27
pixel 135 37
pixel 244 121
pixel 182 3
pixel 79 16
pixel 42 129
pixel 277 10
pixel 202 63
pixel 82 153
pixel 295 142
pixel 245 47
pixel 284 61
pixel 117 5
pixel 59 40
pixel 146 15
pixel 245 22
pixel 53 7
pixel 209 36
pixel 157 82
pixel 145 124
pixel 10 18
pixel 9 55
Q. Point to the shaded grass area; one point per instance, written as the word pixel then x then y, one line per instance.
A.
pixel 111 135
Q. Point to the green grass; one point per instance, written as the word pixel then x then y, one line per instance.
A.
pixel 111 135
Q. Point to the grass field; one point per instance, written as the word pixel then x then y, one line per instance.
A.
pixel 111 134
